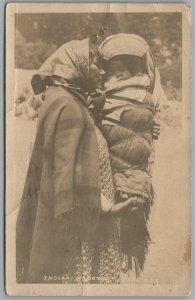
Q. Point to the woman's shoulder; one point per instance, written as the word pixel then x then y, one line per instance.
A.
pixel 58 94
pixel 55 98
pixel 58 101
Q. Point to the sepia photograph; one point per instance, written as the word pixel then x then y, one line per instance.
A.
pixel 98 149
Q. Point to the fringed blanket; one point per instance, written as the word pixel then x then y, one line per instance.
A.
pixel 62 194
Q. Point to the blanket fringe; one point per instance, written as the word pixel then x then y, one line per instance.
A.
pixel 79 222
pixel 135 238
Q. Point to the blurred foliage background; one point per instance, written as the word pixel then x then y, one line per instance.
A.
pixel 39 35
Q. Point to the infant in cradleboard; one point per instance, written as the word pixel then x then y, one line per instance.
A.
pixel 133 92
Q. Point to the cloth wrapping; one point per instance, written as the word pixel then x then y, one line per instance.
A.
pixel 130 146
pixel 127 126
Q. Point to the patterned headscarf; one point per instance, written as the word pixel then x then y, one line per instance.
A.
pixel 68 66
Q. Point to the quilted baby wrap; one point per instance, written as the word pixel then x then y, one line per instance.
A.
pixel 130 145
pixel 127 127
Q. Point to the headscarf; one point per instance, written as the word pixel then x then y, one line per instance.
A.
pixel 132 44
pixel 68 66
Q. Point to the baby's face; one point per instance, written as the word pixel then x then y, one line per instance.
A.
pixel 116 71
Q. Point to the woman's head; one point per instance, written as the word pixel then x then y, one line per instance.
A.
pixel 96 72
pixel 74 64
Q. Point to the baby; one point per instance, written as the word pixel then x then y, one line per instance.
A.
pixel 127 124
pixel 132 90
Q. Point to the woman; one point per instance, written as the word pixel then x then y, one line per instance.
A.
pixel 62 234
